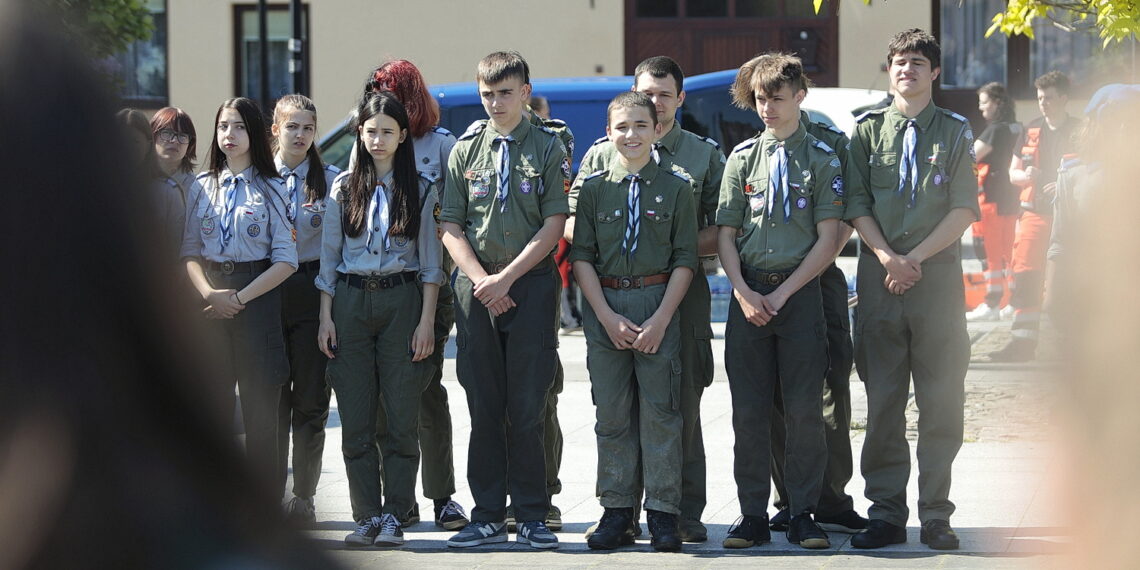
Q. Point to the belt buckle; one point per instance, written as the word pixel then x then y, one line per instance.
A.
pixel 372 284
pixel 625 282
pixel 499 267
pixel 774 278
pixel 228 267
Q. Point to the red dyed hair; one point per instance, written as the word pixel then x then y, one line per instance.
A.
pixel 403 79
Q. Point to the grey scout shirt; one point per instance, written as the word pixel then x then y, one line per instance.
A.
pixel 679 150
pixel 815 187
pixel 309 215
pixel 259 228
pixel 667 238
pixel 350 255
pixel 946 175
pixel 537 189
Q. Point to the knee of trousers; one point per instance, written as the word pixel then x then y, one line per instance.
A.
pixel 359 446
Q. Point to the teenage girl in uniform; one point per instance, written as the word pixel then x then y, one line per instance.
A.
pixel 305 397
pixel 376 326
pixel 175 151
pixel 433 145
pixel 238 247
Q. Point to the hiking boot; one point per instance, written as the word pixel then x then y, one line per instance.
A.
pixel 938 535
pixel 613 530
pixel 634 525
pixel 366 532
pixel 847 522
pixel 479 532
pixel 748 531
pixel 450 516
pixel 663 531
pixel 802 530
pixel 391 531
pixel 536 534
pixel 879 533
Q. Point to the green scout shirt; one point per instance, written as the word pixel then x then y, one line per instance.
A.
pixel 538 187
pixel 815 182
pixel 667 237
pixel 945 151
pixel 830 134
pixel 679 150
pixel 560 128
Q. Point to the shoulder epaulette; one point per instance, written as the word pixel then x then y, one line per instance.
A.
pixel 823 146
pixel 547 130
pixel 425 177
pixel 442 131
pixel 682 175
pixel 715 144
pixel 474 129
pixel 554 122
pixel 869 113
pixel 746 144
pixel 332 168
pixel 203 176
pixel 954 115
pixel 595 174
pixel 831 128
pixel 171 182
pixel 341 176
pixel 600 141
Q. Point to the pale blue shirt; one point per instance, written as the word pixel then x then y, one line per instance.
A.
pixel 310 215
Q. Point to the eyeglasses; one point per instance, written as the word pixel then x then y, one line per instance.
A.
pixel 167 135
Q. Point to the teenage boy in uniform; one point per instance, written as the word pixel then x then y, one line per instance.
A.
pixel 780 205
pixel 634 253
pixel 701 159
pixel 836 510
pixel 504 208
pixel 912 191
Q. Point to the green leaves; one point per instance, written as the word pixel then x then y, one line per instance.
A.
pixel 103 27
pixel 1115 20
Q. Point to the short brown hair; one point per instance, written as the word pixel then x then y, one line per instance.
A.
pixel 1056 80
pixel 502 65
pixel 915 40
pixel 768 73
pixel 632 100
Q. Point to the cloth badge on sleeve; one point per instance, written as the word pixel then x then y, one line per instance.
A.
pixel 566 168
pixel 835 163
pixel 801 202
pixel 525 187
pixel 253 230
pixel 837 185
pixel 565 185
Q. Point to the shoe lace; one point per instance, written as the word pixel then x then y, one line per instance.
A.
pixel 452 508
pixel 366 525
pixel 389 524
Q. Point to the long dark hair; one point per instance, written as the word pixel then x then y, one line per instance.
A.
pixel 316 186
pixel 260 156
pixel 405 211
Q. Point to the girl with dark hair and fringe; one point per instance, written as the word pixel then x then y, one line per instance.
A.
pixel 174 155
pixel 238 247
pixel 305 396
pixel 376 326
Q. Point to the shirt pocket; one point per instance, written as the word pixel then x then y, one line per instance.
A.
pixel 884 172
pixel 480 184
pixel 209 221
pixel 313 214
pixel 610 226
pixel 756 195
pixel 252 221
pixel 658 224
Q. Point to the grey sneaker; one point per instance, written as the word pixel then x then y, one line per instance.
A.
pixel 391 531
pixel 479 532
pixel 366 532
pixel 537 535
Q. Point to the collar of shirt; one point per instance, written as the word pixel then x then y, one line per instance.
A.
pixel 225 174
pixel 923 120
pixel 647 173
pixel 519 133
pixel 672 139
pixel 768 141
pixel 301 171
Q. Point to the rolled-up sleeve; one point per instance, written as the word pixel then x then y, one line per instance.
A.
pixel 730 208
pixel 191 232
pixel 856 175
pixel 284 242
pixel 455 189
pixel 428 246
pixel 585 246
pixel 332 241
pixel 684 233
pixel 557 183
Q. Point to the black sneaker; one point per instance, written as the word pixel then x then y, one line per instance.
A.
pixel 779 523
pixel 879 533
pixel 938 535
pixel 847 522
pixel 692 530
pixel 803 531
pixel 413 516
pixel 450 516
pixel 748 531
pixel 663 531
pixel 301 512
pixel 391 532
pixel 511 526
pixel 366 532
pixel 634 525
pixel 613 530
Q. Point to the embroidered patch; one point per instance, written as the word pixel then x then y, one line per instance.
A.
pixel 937 179
pixel 208 226
pixel 837 185
pixel 757 203
pixel 253 230
pixel 400 241
pixel 566 186
pixel 315 221
pixel 801 202
pixel 566 168
pixel 525 187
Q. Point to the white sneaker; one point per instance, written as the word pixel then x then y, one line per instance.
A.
pixel 1006 312
pixel 982 312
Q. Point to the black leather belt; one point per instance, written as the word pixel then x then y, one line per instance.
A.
pixel 376 283
pixel 633 281
pixel 309 266
pixel 228 267
pixel 764 277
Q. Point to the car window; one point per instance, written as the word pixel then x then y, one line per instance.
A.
pixel 335 149
pixel 710 113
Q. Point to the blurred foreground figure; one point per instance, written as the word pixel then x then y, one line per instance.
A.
pixel 113 453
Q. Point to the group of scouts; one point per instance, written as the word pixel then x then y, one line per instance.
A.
pixel 308 273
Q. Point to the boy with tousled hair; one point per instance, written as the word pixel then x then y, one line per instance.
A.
pixel 780 202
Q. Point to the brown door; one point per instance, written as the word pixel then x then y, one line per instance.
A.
pixel 711 35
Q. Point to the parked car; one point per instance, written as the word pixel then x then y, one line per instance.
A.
pixel 581 102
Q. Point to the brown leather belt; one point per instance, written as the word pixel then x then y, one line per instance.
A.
pixel 376 283
pixel 633 281
pixel 764 277
pixel 228 267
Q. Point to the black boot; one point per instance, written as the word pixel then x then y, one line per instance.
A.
pixel 663 531
pixel 613 530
